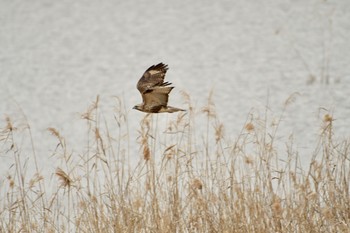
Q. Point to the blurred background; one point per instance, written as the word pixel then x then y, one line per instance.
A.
pixel 57 56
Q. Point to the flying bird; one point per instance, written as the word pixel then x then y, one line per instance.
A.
pixel 154 91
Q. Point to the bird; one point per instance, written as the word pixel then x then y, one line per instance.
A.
pixel 154 91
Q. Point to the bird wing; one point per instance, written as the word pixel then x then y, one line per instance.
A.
pixel 153 77
pixel 156 98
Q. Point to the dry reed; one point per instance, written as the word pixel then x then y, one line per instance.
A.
pixel 184 181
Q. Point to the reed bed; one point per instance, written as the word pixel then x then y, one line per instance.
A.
pixel 183 180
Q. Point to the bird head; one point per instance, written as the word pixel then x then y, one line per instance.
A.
pixel 138 107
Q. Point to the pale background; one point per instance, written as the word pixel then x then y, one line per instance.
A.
pixel 57 56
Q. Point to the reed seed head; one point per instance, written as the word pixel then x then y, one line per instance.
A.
pixel 9 125
pixel 197 184
pixel 249 127
pixel 327 118
pixel 66 181
pixel 146 153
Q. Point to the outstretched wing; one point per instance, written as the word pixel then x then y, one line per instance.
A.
pixel 157 98
pixel 153 77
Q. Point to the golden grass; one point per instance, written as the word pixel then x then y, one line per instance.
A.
pixel 183 182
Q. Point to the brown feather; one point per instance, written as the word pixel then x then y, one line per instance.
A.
pixel 154 91
pixel 157 96
pixel 153 76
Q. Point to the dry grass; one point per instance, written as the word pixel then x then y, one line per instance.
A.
pixel 183 182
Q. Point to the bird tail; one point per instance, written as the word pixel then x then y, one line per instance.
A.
pixel 173 109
